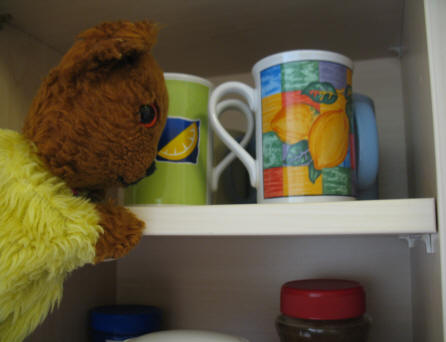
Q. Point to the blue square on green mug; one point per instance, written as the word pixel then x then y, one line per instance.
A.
pixel 179 141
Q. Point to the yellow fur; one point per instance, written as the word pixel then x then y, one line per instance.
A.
pixel 45 233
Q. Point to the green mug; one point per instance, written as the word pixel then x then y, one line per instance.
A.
pixel 182 162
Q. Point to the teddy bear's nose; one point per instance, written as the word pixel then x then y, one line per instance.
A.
pixel 151 169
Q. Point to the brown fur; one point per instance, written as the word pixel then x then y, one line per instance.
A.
pixel 85 120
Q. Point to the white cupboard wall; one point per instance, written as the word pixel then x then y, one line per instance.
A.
pixel 24 63
pixel 424 173
pixel 429 276
pixel 232 284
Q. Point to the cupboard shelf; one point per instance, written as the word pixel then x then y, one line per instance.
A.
pixel 402 216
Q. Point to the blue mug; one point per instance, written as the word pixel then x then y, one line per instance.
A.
pixel 367 147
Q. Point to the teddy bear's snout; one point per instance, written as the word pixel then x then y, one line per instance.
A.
pixel 151 169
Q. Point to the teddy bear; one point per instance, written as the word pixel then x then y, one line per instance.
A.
pixel 94 123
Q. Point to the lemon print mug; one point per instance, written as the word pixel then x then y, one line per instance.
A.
pixel 305 127
pixel 182 159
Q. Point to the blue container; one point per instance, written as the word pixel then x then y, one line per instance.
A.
pixel 120 322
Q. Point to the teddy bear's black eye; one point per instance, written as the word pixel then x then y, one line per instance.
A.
pixel 148 115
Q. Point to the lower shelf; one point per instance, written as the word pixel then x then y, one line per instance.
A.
pixel 405 216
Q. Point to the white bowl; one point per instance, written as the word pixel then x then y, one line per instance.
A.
pixel 187 336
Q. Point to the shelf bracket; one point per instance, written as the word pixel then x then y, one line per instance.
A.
pixel 4 19
pixel 398 50
pixel 428 239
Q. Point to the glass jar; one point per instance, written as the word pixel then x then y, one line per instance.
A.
pixel 322 310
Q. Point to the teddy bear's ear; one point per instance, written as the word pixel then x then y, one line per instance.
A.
pixel 107 44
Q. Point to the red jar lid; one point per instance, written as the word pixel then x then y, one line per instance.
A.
pixel 322 299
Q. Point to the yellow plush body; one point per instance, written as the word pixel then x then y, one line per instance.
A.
pixel 45 233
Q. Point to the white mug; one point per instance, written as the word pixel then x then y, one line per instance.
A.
pixel 305 132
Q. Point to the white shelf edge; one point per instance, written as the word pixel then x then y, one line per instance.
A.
pixel 402 216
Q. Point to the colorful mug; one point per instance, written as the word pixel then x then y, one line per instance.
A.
pixel 183 163
pixel 305 132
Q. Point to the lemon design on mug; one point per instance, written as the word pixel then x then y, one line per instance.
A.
pixel 182 145
pixel 293 122
pixel 328 139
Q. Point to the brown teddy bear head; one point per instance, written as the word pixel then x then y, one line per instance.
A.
pixel 99 114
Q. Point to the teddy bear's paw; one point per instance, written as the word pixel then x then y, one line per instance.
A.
pixel 122 231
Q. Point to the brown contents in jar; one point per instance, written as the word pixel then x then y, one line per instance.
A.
pixel 303 330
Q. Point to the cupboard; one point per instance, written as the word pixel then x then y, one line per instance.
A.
pixel 221 267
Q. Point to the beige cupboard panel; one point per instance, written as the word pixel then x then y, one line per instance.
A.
pixel 417 104
pixel 24 62
pixel 430 321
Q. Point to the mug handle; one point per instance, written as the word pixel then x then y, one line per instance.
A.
pixel 366 141
pixel 228 159
pixel 249 94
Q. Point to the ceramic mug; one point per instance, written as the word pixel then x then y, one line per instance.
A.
pixel 182 158
pixel 305 132
pixel 183 162
pixel 367 149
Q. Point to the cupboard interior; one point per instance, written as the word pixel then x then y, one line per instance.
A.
pixel 232 284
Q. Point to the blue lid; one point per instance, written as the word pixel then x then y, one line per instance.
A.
pixel 125 319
